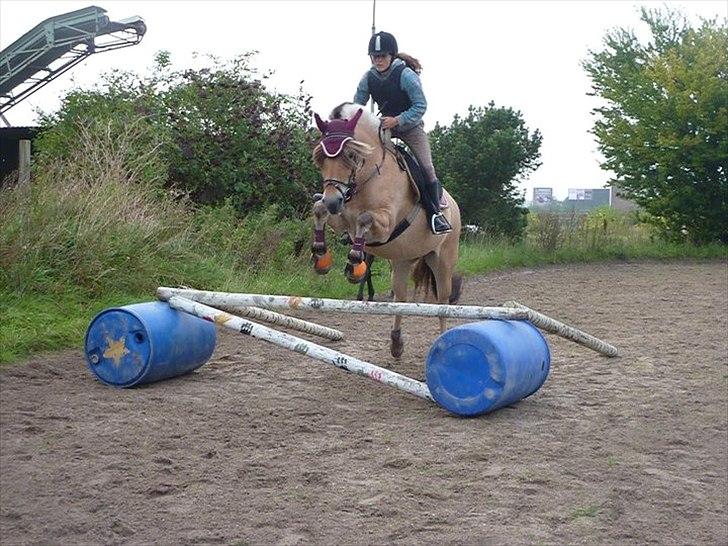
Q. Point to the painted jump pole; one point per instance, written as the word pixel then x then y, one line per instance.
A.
pixel 301 346
pixel 285 321
pixel 225 299
pixel 564 330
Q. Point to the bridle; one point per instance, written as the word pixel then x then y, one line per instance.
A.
pixel 350 188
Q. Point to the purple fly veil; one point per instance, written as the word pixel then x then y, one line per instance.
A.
pixel 336 132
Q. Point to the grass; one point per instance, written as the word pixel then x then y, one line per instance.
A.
pixel 585 512
pixel 48 320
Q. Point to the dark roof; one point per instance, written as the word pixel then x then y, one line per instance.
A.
pixel 18 132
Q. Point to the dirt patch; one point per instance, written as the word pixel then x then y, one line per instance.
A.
pixel 262 446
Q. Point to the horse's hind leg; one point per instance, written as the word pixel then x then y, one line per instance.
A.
pixel 367 280
pixel 370 284
pixel 400 276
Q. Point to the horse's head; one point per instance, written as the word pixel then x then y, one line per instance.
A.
pixel 339 156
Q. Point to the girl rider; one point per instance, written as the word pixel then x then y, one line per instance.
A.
pixel 394 84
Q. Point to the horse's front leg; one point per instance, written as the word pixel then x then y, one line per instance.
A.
pixel 322 259
pixel 356 266
pixel 367 223
pixel 400 275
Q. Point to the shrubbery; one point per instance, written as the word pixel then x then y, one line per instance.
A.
pixel 219 135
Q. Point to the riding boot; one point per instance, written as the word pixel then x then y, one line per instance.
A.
pixel 438 223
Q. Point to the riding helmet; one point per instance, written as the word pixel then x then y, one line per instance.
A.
pixel 382 43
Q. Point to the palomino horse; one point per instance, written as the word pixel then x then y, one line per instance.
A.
pixel 368 194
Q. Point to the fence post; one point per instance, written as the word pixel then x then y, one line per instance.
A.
pixel 23 162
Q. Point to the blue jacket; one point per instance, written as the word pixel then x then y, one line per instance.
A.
pixel 410 84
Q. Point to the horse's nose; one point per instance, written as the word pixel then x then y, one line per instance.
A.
pixel 334 204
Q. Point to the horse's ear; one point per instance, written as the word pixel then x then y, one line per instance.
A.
pixel 351 124
pixel 321 124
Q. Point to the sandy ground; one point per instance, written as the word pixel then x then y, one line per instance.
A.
pixel 262 446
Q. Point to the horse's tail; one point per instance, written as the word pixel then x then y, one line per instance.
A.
pixel 425 278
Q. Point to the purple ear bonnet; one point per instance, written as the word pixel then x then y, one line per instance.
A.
pixel 336 132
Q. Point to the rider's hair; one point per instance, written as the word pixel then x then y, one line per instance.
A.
pixel 410 61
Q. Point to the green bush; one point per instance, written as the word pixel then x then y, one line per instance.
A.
pixel 219 134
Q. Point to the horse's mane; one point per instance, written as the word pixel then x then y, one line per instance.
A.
pixel 346 110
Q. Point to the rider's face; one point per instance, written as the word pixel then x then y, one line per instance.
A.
pixel 381 62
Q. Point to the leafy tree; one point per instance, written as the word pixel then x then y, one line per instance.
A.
pixel 664 126
pixel 480 158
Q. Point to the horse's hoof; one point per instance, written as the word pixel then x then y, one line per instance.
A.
pixel 396 346
pixel 322 264
pixel 355 272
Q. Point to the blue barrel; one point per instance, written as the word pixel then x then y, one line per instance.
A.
pixel 482 366
pixel 146 342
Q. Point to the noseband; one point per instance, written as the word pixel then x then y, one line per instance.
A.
pixel 350 188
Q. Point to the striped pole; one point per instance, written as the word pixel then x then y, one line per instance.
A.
pixel 566 331
pixel 225 299
pixel 301 346
pixel 285 321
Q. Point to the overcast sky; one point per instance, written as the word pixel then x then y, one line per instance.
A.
pixel 520 54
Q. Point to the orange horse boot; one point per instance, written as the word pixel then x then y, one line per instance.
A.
pixel 322 264
pixel 355 272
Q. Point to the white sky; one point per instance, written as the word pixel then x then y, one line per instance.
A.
pixel 520 54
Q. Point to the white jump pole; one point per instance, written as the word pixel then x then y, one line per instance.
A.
pixel 301 346
pixel 566 331
pixel 285 321
pixel 225 299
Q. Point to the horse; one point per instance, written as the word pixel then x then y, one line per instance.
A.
pixel 368 193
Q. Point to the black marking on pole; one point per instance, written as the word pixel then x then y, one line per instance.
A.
pixel 246 328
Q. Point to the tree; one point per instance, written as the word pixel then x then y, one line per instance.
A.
pixel 664 126
pixel 480 158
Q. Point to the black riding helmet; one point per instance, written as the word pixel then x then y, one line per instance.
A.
pixel 382 43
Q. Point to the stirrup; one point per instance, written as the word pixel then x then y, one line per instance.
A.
pixel 444 226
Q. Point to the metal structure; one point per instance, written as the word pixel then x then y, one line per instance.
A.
pixel 57 44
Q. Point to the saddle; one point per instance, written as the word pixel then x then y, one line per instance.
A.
pixel 408 164
pixel 415 174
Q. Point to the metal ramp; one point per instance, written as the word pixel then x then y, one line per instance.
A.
pixel 57 44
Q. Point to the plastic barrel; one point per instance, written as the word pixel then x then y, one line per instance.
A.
pixel 482 366
pixel 146 342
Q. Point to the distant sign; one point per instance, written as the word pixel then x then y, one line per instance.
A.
pixel 580 195
pixel 543 196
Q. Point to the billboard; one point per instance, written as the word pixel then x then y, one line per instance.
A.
pixel 543 196
pixel 580 194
